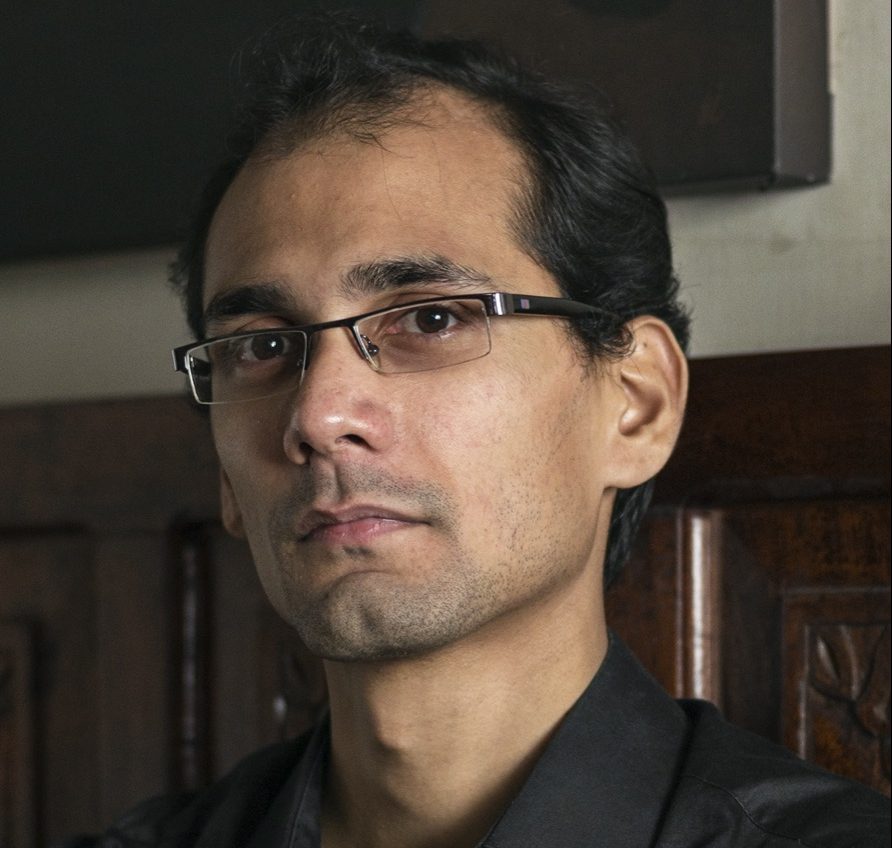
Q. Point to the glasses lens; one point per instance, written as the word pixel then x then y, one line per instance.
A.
pixel 426 336
pixel 247 367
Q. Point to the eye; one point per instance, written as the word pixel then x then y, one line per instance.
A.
pixel 264 346
pixel 253 350
pixel 429 320
pixel 432 319
pixel 434 323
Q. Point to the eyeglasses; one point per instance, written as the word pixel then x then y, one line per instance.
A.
pixel 420 336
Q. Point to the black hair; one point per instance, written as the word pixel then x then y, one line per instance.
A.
pixel 589 214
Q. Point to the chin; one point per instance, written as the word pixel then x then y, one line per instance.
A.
pixel 359 630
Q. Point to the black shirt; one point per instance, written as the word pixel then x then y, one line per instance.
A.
pixel 627 768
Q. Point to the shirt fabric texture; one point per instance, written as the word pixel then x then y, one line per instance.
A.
pixel 628 767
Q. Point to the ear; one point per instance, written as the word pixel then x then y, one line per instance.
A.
pixel 653 380
pixel 229 508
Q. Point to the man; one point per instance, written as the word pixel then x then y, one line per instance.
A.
pixel 443 357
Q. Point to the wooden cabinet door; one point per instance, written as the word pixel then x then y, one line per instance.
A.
pixel 764 564
pixel 138 653
pixel 779 613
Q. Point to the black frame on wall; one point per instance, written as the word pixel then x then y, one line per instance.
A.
pixel 113 113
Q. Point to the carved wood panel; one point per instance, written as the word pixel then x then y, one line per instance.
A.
pixel 777 612
pixel 836 703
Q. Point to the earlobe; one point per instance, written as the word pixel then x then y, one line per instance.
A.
pixel 653 378
pixel 229 508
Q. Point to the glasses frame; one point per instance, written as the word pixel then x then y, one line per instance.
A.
pixel 495 304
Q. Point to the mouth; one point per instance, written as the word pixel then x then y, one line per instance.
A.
pixel 356 525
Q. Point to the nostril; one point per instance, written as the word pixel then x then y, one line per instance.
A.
pixel 299 452
pixel 306 450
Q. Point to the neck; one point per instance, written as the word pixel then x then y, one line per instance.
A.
pixel 429 751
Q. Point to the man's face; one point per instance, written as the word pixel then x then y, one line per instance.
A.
pixel 390 515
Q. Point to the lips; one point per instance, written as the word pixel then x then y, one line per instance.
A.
pixel 354 524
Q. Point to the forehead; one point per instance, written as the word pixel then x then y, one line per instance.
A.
pixel 442 181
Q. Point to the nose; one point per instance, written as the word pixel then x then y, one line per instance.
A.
pixel 340 407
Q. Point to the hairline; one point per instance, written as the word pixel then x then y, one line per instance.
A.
pixel 369 123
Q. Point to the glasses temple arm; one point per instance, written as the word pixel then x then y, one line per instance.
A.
pixel 523 304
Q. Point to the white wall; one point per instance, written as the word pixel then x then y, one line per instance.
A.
pixel 92 327
pixel 808 267
pixel 776 271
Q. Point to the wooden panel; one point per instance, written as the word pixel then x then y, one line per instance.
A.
pixel 286 690
pixel 700 590
pixel 783 425
pixel 132 659
pixel 89 495
pixel 685 581
pixel 836 703
pixel 239 710
pixel 244 678
pixel 46 581
pixel 18 779
pixel 157 661
pixel 93 687
pixel 121 465
pixel 646 599
pixel 193 657
pixel 773 509
pixel 760 609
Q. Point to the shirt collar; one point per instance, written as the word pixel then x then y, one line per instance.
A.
pixel 293 819
pixel 605 777
pixel 608 773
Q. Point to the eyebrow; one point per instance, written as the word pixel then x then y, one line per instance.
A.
pixel 383 275
pixel 380 275
pixel 251 299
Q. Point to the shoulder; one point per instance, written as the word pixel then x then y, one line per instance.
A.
pixel 734 782
pixel 231 805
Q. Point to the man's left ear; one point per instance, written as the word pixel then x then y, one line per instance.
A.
pixel 653 381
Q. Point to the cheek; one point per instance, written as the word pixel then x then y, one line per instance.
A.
pixel 249 447
pixel 251 433
pixel 515 440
